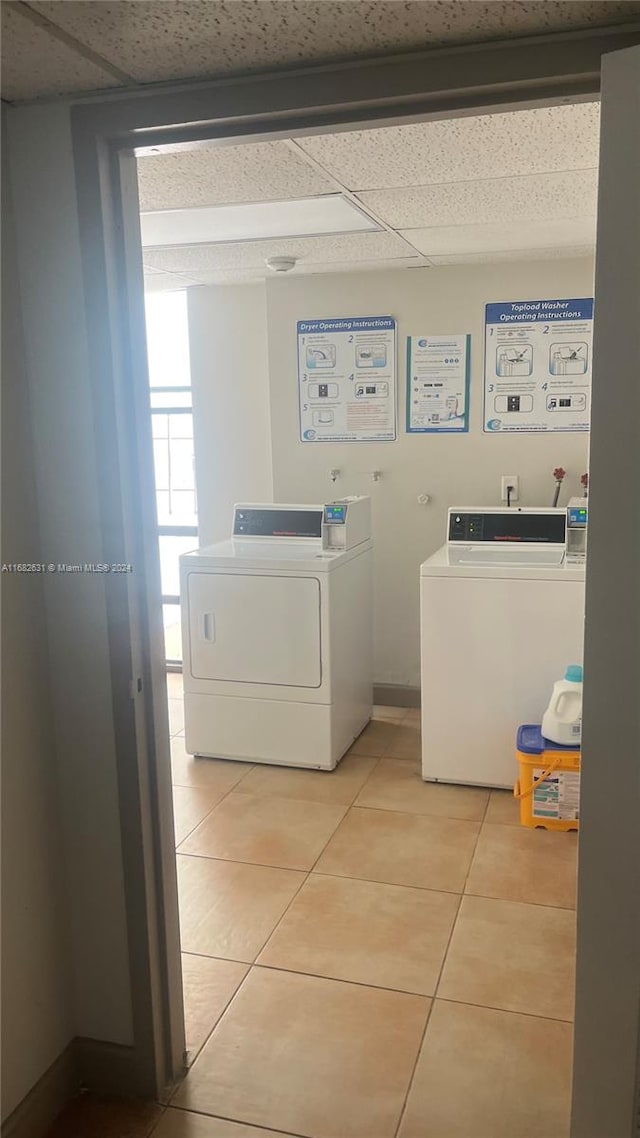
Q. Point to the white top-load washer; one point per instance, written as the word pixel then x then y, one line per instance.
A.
pixel 277 635
pixel 502 614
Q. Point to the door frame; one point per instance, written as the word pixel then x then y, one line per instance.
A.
pixel 106 133
pixel 606 1091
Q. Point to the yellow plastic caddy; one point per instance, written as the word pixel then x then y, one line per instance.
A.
pixel 548 788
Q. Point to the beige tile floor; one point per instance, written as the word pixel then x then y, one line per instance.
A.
pixel 366 955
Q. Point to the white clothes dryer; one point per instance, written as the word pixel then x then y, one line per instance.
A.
pixel 277 635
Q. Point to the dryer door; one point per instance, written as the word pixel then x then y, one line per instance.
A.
pixel 248 628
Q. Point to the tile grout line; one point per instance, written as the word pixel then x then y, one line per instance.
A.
pixel 218 803
pixel 253 964
pixel 341 980
pixel 210 812
pixel 439 977
pixel 372 880
pixel 367 984
pixel 505 1011
pixel 310 870
pixel 241 1122
pixel 215 1023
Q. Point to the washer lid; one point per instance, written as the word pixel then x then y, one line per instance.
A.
pixel 522 563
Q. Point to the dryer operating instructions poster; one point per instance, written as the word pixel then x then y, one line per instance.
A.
pixel 537 374
pixel 347 379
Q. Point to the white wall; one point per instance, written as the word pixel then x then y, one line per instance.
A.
pixel 36 996
pixel 463 470
pixel 82 740
pixel 248 447
pixel 229 376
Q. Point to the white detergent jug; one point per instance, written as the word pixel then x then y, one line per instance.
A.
pixel 562 721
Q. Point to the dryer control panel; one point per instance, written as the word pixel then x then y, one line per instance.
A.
pixel 274 521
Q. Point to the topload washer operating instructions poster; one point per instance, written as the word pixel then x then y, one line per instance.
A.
pixel 347 379
pixel 537 374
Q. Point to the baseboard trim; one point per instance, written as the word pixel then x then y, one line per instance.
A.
pixel 396 695
pixel 108 1069
pixel 111 1069
pixel 44 1102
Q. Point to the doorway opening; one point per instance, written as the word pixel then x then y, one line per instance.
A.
pixel 291 886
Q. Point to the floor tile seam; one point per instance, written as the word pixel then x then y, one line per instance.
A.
pixel 295 869
pixel 353 804
pixel 455 920
pixel 503 1011
pixel 214 1025
pixel 222 959
pixel 311 801
pixel 280 920
pixel 241 1122
pixel 330 838
pixel 411 814
pixel 432 1006
pixel 154 1128
pixel 519 901
pixel 403 1108
pixel 495 1008
pixel 234 861
pixel 208 785
pixel 208 815
pixel 368 880
pixel 380 881
pixel 378 760
pixel 391 884
pixel 200 1050
pixel 341 980
pixel 414 813
pixel 519 828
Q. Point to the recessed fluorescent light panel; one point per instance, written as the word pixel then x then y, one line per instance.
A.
pixel 207 225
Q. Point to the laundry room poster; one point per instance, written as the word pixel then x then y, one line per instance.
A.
pixel 347 379
pixel 438 370
pixel 537 374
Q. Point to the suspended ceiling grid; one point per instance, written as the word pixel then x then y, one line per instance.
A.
pixel 508 186
pixel 53 47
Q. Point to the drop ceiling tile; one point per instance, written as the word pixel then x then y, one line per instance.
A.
pixel 35 63
pixel 553 254
pixel 498 236
pixel 544 140
pixel 217 175
pixel 156 281
pixel 564 195
pixel 154 39
pixel 242 276
pixel 351 247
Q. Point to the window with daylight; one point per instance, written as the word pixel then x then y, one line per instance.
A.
pixel 172 428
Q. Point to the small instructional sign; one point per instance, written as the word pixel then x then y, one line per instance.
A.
pixel 557 796
pixel 347 379
pixel 438 369
pixel 538 365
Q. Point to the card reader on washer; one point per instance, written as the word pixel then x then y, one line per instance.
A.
pixel 346 522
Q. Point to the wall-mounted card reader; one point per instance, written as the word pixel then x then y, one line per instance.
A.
pixel 346 522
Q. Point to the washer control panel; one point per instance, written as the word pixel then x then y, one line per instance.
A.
pixel 508 525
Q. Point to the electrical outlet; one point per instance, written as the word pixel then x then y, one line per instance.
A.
pixel 510 480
